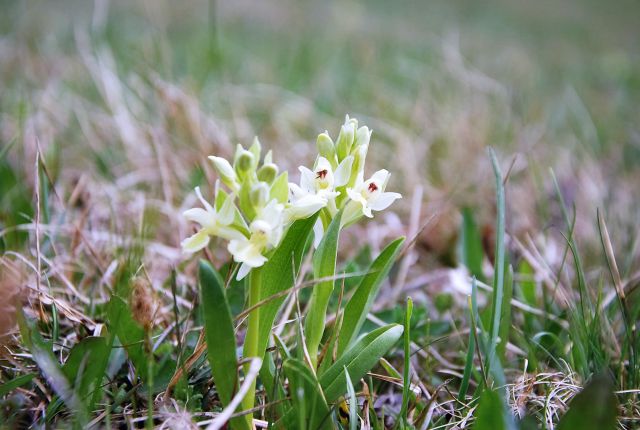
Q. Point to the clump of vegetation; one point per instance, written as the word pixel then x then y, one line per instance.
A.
pixel 272 228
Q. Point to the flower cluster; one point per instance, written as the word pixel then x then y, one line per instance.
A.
pixel 257 203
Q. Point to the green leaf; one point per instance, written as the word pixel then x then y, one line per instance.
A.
pixel 406 378
pixel 353 402
pixel 220 336
pixel 324 266
pixel 310 409
pixel 505 320
pixel 86 365
pixel 16 382
pixel 498 265
pixel 471 345
pixel 491 413
pixel 358 307
pixel 48 364
pixel 359 359
pixel 130 333
pixel 278 274
pixel 594 408
pixel 471 254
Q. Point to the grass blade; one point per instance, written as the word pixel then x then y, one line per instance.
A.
pixel 309 406
pixel 406 376
pixel 499 263
pixel 353 402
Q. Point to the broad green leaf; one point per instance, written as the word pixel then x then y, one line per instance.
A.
pixel 86 365
pixel 594 408
pixel 278 274
pixel 219 334
pixel 310 409
pixel 324 266
pixel 359 359
pixel 491 413
pixel 360 303
pixel 130 333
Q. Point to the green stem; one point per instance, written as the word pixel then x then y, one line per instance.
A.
pixel 251 340
pixel 149 347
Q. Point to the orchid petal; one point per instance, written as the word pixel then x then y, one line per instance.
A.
pixel 384 201
pixel 199 215
pixel 322 164
pixel 343 172
pixel 205 203
pixel 196 242
pixel 307 179
pixel 228 233
pixel 243 271
pixel 380 178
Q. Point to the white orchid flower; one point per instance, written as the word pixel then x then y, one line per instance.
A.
pixel 303 204
pixel 323 181
pixel 317 188
pixel 212 223
pixel 266 232
pixel 370 196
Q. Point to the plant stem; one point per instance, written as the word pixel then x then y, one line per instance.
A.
pixel 251 340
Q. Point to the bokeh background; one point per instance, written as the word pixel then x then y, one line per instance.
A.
pixel 128 97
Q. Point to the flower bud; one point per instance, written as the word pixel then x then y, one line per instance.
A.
pixel 226 172
pixel 325 146
pixel 345 140
pixel 244 163
pixel 259 195
pixel 267 173
pixel 363 135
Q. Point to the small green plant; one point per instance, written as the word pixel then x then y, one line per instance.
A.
pixel 270 224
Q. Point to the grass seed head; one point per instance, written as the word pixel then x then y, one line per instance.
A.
pixel 143 303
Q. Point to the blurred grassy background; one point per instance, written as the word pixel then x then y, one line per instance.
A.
pixel 557 83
